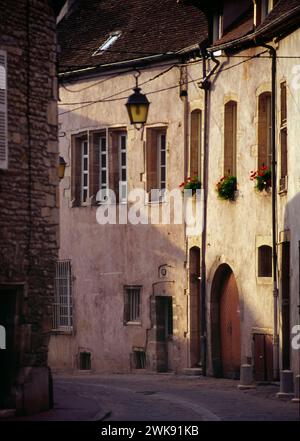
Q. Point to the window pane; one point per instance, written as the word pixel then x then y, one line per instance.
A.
pixel 85 180
pixel 84 197
pixel 123 177
pixel 103 161
pixel 85 148
pixel 163 174
pixel 103 144
pixel 85 163
pixel 123 158
pixel 103 177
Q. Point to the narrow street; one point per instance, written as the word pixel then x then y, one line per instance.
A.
pixel 163 397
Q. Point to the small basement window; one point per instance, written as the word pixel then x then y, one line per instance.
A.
pixel 139 359
pixel 265 261
pixel 113 37
pixel 85 361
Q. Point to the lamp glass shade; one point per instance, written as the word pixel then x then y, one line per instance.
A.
pixel 137 107
pixel 61 168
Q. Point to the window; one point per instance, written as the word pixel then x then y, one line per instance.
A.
pixel 84 171
pixel 80 169
pixel 217 29
pixel 195 147
pixel 264 261
pixel 3 113
pixel 63 312
pixel 139 358
pixel 99 162
pixel 262 9
pixel 123 166
pixel 156 163
pixel 132 304
pixel 230 134
pixel 283 139
pixel 264 130
pixel 113 37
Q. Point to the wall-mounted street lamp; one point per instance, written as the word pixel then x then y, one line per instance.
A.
pixel 61 167
pixel 137 105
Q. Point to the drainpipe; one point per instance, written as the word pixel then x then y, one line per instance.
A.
pixel 274 213
pixel 205 85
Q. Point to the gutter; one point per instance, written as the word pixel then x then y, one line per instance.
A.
pixel 205 85
pixel 274 212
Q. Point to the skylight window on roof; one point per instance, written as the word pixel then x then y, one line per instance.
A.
pixel 113 37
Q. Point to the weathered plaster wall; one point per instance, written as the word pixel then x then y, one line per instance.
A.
pixel 105 258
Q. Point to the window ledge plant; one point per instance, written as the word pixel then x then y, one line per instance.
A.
pixel 227 187
pixel 262 178
pixel 193 184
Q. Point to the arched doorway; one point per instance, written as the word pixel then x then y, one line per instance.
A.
pixel 194 274
pixel 225 324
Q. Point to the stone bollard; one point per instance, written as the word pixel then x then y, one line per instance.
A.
pixel 297 390
pixel 246 377
pixel 286 384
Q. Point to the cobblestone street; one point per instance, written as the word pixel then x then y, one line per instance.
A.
pixel 163 397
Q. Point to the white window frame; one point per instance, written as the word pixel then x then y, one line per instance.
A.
pixel 103 153
pixel 162 184
pixel 84 172
pixel 3 111
pixel 63 306
pixel 122 168
pixel 113 37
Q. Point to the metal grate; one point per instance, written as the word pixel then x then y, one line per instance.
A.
pixel 139 359
pixel 63 313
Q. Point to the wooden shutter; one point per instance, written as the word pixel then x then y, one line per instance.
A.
pixel 76 169
pixel 94 164
pixel 195 144
pixel 3 112
pixel 230 139
pixel 284 164
pixel 283 101
pixel 151 160
pixel 113 162
pixel 264 130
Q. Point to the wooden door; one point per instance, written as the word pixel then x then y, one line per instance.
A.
pixel 164 331
pixel 263 357
pixel 230 329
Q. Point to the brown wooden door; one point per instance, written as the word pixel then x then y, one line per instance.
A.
pixel 263 357
pixel 230 329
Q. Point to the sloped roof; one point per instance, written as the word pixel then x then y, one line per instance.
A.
pixel 148 27
pixel 278 20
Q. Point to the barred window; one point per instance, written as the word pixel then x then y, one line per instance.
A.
pixel 132 305
pixel 63 313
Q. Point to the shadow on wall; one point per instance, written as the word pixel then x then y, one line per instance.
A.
pixel 291 285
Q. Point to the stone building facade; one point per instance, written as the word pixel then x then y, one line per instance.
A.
pixel 29 204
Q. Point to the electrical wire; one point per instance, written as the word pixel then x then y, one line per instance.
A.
pixel 112 99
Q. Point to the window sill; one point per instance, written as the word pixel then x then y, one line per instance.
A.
pixel 62 331
pixel 264 280
pixel 133 324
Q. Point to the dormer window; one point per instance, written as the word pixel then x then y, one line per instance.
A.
pixel 262 9
pixel 217 30
pixel 113 37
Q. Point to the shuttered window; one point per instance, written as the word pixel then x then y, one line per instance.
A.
pixel 132 304
pixel 3 112
pixel 264 130
pixel 283 138
pixel 195 145
pixel 156 163
pixel 230 135
pixel 264 261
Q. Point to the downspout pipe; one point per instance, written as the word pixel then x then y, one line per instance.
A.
pixel 205 85
pixel 273 55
